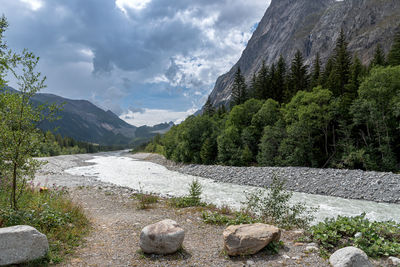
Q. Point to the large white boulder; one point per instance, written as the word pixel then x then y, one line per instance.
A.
pixel 22 243
pixel 248 239
pixel 164 237
pixel 349 257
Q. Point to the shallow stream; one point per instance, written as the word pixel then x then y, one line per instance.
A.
pixel 154 178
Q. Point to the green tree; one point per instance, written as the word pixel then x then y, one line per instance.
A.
pixel 262 88
pixel 239 89
pixel 316 72
pixel 394 53
pixel 376 112
pixel 308 117
pixel 379 57
pixel 278 79
pixel 20 138
pixel 340 73
pixel 298 77
pixel 208 107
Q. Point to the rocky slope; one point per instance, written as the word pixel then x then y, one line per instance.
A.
pixel 312 27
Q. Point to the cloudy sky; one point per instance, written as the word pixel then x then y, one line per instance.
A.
pixel 149 61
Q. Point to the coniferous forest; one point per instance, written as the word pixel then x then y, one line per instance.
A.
pixel 340 114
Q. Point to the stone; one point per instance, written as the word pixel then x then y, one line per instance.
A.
pixel 311 248
pixel 164 237
pixel 349 257
pixel 248 239
pixel 393 261
pixel 20 244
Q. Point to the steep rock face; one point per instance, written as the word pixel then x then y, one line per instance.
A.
pixel 312 27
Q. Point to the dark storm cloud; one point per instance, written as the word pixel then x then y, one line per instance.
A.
pixel 95 50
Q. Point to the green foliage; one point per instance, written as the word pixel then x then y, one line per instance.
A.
pixel 350 120
pixel 379 57
pixel 376 239
pixel 234 219
pixel 394 53
pixel 376 113
pixel 239 89
pixel 145 200
pixel 298 79
pixel 193 199
pixel 52 213
pixel 273 206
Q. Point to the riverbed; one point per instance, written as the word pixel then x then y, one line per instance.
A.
pixel 122 170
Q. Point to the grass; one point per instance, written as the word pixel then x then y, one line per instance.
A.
pixel 51 213
pixel 145 201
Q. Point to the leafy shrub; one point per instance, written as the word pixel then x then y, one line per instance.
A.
pixel 376 239
pixel 52 213
pixel 272 206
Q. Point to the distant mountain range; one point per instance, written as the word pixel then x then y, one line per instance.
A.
pixel 84 121
pixel 313 26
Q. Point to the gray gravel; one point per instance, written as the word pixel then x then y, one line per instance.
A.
pixel 353 184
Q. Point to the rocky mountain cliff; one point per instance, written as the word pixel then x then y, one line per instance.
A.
pixel 313 26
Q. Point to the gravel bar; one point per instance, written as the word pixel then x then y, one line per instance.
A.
pixel 350 184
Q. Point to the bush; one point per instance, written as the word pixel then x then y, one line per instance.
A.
pixel 376 239
pixel 272 206
pixel 52 213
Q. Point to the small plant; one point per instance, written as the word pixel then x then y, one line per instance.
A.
pixel 235 219
pixel 376 239
pixel 272 206
pixel 191 200
pixel 145 200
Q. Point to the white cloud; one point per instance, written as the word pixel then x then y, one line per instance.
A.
pixel 151 117
pixel 33 4
pixel 133 4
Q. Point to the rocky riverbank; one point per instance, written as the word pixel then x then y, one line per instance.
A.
pixel 352 184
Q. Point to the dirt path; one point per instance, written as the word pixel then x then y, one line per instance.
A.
pixel 117 223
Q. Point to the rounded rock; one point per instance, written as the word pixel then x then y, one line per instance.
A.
pixel 164 237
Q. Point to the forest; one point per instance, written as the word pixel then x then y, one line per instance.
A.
pixel 341 114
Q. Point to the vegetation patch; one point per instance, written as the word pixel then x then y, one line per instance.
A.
pixel 376 239
pixel 193 199
pixel 52 213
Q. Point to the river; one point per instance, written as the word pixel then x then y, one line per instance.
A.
pixel 153 178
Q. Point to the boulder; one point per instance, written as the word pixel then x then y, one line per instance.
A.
pixel 164 237
pixel 349 257
pixel 22 243
pixel 248 239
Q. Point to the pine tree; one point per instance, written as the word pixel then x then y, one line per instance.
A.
pixel 357 70
pixel 279 80
pixel 316 73
pixel 208 108
pixel 298 77
pixel 262 83
pixel 340 74
pixel 394 53
pixel 327 72
pixel 379 57
pixel 239 90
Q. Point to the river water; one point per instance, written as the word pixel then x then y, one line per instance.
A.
pixel 153 178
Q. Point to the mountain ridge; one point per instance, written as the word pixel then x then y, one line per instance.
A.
pixel 312 27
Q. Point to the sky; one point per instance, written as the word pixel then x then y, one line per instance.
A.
pixel 148 61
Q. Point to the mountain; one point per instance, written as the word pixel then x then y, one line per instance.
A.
pixel 84 121
pixel 313 27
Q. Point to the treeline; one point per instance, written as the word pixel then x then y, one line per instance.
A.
pixel 345 115
pixel 54 145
